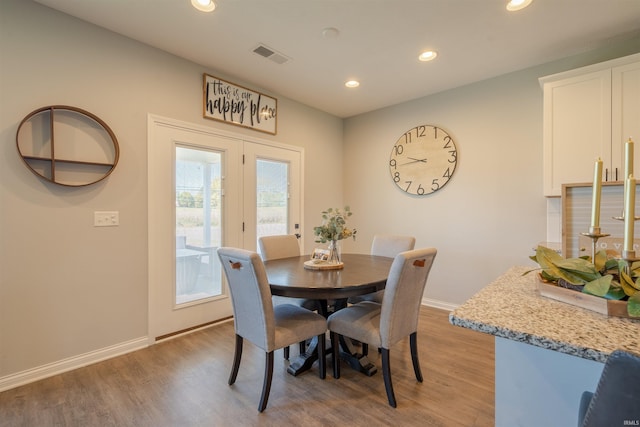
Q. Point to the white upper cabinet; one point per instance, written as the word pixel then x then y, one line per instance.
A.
pixel 589 113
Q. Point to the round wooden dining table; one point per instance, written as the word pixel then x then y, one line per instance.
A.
pixel 361 274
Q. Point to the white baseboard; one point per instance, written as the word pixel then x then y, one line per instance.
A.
pixel 443 305
pixel 75 362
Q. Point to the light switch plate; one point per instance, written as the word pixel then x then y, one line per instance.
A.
pixel 106 218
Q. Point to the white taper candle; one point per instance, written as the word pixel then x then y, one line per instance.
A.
pixel 597 189
pixel 629 213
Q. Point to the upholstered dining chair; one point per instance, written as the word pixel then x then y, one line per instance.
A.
pixel 616 398
pixel 388 245
pixel 284 246
pixel 383 325
pixel 257 320
pixel 279 246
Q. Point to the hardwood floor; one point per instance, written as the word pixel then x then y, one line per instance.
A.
pixel 183 382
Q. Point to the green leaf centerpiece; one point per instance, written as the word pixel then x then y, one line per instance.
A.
pixel 606 276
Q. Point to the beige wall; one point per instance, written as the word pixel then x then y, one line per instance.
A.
pixel 67 288
pixel 492 212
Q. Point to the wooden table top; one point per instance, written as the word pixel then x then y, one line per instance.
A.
pixel 362 274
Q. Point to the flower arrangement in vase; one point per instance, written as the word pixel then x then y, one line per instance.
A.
pixel 333 229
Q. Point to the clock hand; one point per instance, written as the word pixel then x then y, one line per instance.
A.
pixel 414 161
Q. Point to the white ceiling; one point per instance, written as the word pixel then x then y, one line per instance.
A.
pixel 378 41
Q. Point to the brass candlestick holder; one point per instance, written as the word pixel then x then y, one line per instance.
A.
pixel 629 257
pixel 594 234
pixel 621 217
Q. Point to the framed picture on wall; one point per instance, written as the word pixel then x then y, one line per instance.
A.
pixel 237 105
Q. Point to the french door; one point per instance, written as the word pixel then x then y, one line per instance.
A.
pixel 272 192
pixel 208 189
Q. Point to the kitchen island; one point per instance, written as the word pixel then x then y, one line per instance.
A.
pixel 546 352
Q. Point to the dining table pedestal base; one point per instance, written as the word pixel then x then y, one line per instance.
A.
pixel 304 361
pixel 357 361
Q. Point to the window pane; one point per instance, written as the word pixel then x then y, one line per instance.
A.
pixel 272 204
pixel 198 224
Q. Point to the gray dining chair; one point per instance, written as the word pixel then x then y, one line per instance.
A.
pixel 257 320
pixel 284 246
pixel 616 401
pixel 383 325
pixel 279 246
pixel 388 245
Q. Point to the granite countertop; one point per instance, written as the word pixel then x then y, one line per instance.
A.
pixel 511 308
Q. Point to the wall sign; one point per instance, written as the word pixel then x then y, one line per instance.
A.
pixel 237 105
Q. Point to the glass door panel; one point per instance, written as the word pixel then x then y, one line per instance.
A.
pixel 272 201
pixel 198 214
pixel 272 192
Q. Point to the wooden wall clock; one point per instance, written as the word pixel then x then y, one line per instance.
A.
pixel 423 160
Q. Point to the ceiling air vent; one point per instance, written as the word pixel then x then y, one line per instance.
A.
pixel 271 54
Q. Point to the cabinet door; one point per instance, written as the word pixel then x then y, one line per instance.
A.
pixel 625 83
pixel 577 129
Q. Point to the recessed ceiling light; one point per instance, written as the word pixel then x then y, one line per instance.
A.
pixel 352 83
pixel 204 5
pixel 427 55
pixel 514 5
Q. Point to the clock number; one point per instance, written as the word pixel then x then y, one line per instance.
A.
pixel 392 163
pixel 396 177
pixel 434 185
pixel 447 142
pixel 398 149
pixel 407 137
pixel 420 131
pixel 454 155
pixel 420 191
pixel 447 173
